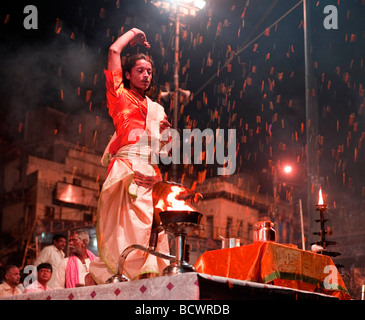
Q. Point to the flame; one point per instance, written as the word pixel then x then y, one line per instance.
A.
pixel 320 200
pixel 172 203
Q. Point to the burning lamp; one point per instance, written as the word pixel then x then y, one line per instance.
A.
pixel 180 224
pixel 173 212
pixel 173 206
pixel 321 207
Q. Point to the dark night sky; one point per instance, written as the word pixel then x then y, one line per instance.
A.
pixel 261 93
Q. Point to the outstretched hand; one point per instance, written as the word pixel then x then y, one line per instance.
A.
pixel 164 124
pixel 139 38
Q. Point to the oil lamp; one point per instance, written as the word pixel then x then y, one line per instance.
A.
pixel 321 207
pixel 173 204
pixel 173 212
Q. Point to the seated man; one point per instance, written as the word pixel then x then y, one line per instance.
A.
pixel 73 269
pixel 12 279
pixel 44 274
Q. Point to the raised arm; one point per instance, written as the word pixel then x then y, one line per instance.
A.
pixel 133 36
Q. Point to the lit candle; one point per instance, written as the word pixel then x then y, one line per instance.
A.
pixel 321 205
pixel 320 197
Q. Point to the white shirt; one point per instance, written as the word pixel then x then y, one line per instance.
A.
pixel 60 281
pixel 7 290
pixel 36 287
pixel 53 256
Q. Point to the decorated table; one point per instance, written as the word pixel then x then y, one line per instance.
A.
pixel 277 264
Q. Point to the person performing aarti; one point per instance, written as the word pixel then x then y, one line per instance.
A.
pixel 125 208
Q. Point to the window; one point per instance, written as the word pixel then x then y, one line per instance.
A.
pixel 229 227
pixel 210 227
pixel 239 229
pixel 49 212
pixel 76 182
pixel 249 231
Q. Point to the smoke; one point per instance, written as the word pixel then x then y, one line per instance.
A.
pixel 60 64
pixel 60 73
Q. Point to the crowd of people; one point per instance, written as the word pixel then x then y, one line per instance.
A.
pixel 53 269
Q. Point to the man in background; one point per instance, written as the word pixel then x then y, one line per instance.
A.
pixel 72 270
pixel 53 254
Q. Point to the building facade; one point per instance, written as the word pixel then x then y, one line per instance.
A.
pixel 51 184
pixel 51 180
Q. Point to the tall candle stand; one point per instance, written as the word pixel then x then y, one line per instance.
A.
pixel 323 242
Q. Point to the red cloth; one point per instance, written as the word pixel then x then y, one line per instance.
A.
pixel 72 271
pixel 127 108
pixel 278 264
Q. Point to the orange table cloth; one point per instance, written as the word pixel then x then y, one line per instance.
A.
pixel 277 264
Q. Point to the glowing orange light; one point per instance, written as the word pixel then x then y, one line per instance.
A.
pixel 288 169
pixel 171 203
pixel 68 195
pixel 320 200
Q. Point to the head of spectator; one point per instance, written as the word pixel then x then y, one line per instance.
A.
pixel 12 275
pixel 78 243
pixel 44 273
pixel 59 241
pixel 11 281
